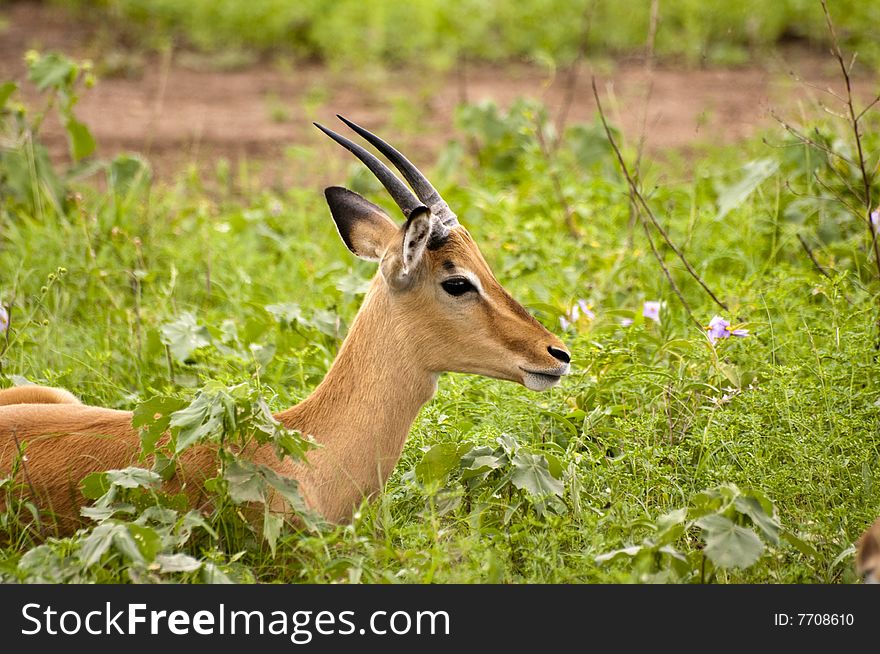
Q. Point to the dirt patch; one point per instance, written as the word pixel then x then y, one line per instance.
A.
pixel 177 114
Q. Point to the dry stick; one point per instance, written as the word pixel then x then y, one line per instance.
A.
pixel 837 196
pixel 854 122
pixel 806 139
pixel 812 256
pixel 635 190
pixel 666 272
pixel 819 267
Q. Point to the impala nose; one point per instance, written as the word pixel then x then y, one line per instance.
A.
pixel 559 354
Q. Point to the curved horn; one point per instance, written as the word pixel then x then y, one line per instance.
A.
pixel 420 184
pixel 404 198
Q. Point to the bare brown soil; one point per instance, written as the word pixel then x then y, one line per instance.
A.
pixel 179 110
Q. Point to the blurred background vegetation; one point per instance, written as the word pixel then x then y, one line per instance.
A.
pixel 436 33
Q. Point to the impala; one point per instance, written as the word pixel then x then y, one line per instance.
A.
pixel 433 306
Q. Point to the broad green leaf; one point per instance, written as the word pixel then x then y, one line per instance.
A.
pixel 508 444
pixel 727 544
pixel 531 473
pixel 353 284
pixel 163 466
pixel 766 524
pixel 152 417
pixel 6 91
pixel 286 313
pixel 190 521
pixel 212 574
pixel 177 563
pixel 288 488
pixel 127 172
pixel 82 143
pixel 184 336
pixel 272 525
pixel 800 545
pixel 137 543
pixel 51 69
pixel 324 321
pixel 480 461
pixel 672 518
pixel 206 416
pixel 100 513
pixel 438 462
pixel 244 481
pixel 755 172
pixel 94 485
pixel 133 477
pixel 262 354
pixel 98 543
pixel 626 552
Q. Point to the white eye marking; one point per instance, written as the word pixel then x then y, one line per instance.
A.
pixel 472 278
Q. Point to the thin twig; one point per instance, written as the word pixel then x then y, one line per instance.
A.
pixel 658 256
pixel 648 212
pixel 808 141
pixel 837 196
pixel 854 123
pixel 812 256
pixel 869 106
pixel 827 90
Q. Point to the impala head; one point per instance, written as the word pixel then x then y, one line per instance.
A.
pixel 439 286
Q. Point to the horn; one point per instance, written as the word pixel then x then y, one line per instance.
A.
pixel 404 198
pixel 420 184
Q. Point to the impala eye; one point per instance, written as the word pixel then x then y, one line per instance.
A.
pixel 456 286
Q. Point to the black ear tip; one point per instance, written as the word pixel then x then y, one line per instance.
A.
pixel 333 193
pixel 417 211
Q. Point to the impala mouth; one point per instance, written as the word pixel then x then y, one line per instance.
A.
pixel 541 380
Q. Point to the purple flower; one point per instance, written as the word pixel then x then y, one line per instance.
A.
pixel 579 309
pixel 585 310
pixel 875 219
pixel 651 310
pixel 626 322
pixel 720 328
pixel 4 319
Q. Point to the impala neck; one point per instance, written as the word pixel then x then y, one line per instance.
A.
pixel 362 411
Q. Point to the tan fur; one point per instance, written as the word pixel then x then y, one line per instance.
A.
pixel 868 554
pixel 32 394
pixel 361 413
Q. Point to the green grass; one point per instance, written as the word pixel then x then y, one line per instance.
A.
pixel 437 33
pixel 653 418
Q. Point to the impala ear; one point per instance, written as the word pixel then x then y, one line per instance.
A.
pixel 419 233
pixel 365 229
pixel 416 234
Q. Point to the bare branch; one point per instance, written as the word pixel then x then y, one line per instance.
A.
pixel 666 272
pixel 803 138
pixel 812 256
pixel 854 124
pixel 647 208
